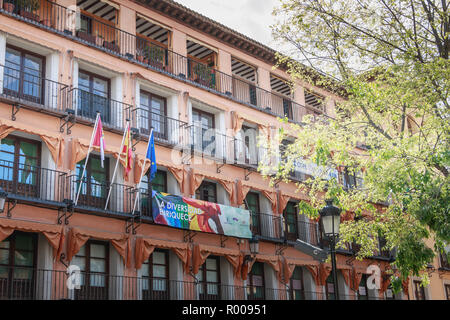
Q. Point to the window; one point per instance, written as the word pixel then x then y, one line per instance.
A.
pixel 17 262
pixel 207 192
pixel 297 288
pixel 95 182
pixel 363 292
pixel 23 74
pixel 252 204
pixel 255 284
pixel 290 216
pixel 350 179
pixel 159 184
pixel 447 291
pixel 329 288
pixel 19 165
pixel 209 277
pixel 93 260
pixel 93 96
pixel 249 145
pixel 445 263
pixel 203 136
pixel 153 111
pixel 419 290
pixel 155 273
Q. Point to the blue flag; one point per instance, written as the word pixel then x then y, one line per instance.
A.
pixel 151 156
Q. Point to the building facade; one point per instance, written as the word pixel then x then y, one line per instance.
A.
pixel 207 92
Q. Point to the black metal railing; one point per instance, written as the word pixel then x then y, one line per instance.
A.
pixel 309 232
pixel 94 194
pixel 111 39
pixel 29 283
pixel 267 226
pixel 28 88
pixel 248 153
pixel 210 142
pixel 32 181
pixel 166 130
pixel 86 105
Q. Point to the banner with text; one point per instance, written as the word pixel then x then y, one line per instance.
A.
pixel 198 215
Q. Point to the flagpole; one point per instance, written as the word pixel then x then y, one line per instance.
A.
pixel 142 173
pixel 117 162
pixel 87 156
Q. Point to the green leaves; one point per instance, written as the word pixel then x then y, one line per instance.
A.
pixel 393 63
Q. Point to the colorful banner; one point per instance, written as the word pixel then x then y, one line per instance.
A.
pixel 198 215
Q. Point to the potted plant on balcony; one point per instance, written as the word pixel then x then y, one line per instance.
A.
pixel 28 7
pixel 140 55
pixel 99 39
pixel 203 74
pixel 156 56
pixel 9 6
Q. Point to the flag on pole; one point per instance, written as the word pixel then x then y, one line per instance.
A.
pixel 127 149
pixel 99 139
pixel 151 156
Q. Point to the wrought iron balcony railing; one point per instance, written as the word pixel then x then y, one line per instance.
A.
pixel 109 38
pixel 32 90
pixel 93 195
pixel 32 182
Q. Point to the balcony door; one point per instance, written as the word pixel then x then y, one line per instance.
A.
pixel 93 260
pixel 252 204
pixel 255 282
pixel 155 274
pixel 153 113
pixel 17 266
pixel 95 182
pixel 209 277
pixel 290 218
pixel 93 96
pixel 23 75
pixel 296 285
pixel 159 184
pixel 207 192
pixel 203 132
pixel 19 166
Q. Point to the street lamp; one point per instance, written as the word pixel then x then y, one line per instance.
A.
pixel 330 219
pixel 254 249
pixel 3 195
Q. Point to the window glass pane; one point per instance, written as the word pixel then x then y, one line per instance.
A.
pixel 212 289
pixel 4 244
pixel 159 285
pixel 144 100
pixel 211 264
pixel 23 258
pixel 144 270
pixel 159 257
pixel 257 281
pixel 12 59
pixel 212 276
pixel 157 105
pixel 4 272
pixel 98 265
pixel 83 81
pixel 4 256
pixel 24 241
pixel 98 251
pixel 80 262
pixel 159 271
pixel 100 87
pixel 257 268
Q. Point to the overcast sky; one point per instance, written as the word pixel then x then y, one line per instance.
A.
pixel 249 17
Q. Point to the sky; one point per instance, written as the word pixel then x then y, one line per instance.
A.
pixel 249 17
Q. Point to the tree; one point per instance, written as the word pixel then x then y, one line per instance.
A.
pixel 391 125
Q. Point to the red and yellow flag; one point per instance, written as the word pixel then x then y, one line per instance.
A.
pixel 127 149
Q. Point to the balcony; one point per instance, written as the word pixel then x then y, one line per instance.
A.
pixel 32 90
pixel 27 283
pixel 93 196
pixel 267 226
pixel 86 105
pixel 100 34
pixel 210 143
pixel 31 183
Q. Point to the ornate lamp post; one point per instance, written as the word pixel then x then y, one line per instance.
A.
pixel 330 219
